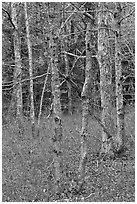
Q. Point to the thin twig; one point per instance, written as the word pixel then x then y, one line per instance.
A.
pixel 71 54
pixel 88 196
pixel 9 18
pixel 127 16
pixel 104 129
pixel 41 101
pixel 24 80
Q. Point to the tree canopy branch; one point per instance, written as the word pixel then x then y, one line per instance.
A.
pixel 127 16
pixel 71 54
pixel 9 18
pixel 24 80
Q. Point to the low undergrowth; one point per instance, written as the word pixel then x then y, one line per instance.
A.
pixel 28 172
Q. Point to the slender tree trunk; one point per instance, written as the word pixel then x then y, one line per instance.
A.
pixel 118 72
pixel 58 132
pixel 17 93
pixel 88 90
pixel 32 114
pixel 42 95
pixel 68 85
pixel 67 68
pixel 86 94
pixel 105 77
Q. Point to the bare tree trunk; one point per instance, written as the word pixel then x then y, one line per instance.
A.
pixel 58 132
pixel 32 114
pixel 42 95
pixel 68 85
pixel 88 90
pixel 67 69
pixel 118 72
pixel 17 93
pixel 105 77
pixel 41 100
pixel 86 94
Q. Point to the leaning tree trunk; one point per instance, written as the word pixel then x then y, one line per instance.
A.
pixel 58 132
pixel 105 77
pixel 32 114
pixel 118 72
pixel 17 92
pixel 42 96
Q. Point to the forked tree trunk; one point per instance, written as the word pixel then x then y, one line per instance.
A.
pixel 58 132
pixel 105 76
pixel 17 93
pixel 32 114
pixel 118 72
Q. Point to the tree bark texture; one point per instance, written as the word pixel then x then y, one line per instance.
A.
pixel 86 94
pixel 42 95
pixel 32 114
pixel 68 84
pixel 67 29
pixel 58 132
pixel 105 76
pixel 118 72
pixel 18 69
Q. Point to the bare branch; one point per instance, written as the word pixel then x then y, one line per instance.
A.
pixel 131 52
pixel 62 83
pixel 65 22
pixel 8 83
pixel 8 89
pixel 104 129
pixel 24 80
pixel 127 16
pixel 78 10
pixel 9 18
pixel 75 63
pixel 65 36
pixel 88 15
pixel 71 54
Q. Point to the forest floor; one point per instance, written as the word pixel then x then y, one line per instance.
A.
pixel 27 164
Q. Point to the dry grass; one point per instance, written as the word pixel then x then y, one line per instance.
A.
pixel 28 173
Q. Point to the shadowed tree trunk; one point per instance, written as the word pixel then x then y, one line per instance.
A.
pixel 105 77
pixel 58 132
pixel 32 114
pixel 118 72
pixel 17 92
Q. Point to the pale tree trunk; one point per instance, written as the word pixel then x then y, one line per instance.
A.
pixel 67 68
pixel 17 93
pixel 118 72
pixel 58 132
pixel 86 94
pixel 41 100
pixel 68 85
pixel 32 114
pixel 105 77
pixel 42 95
